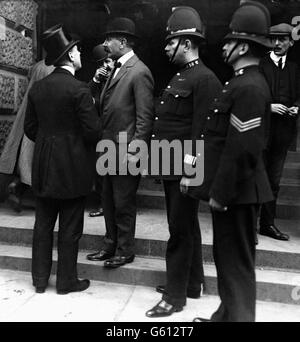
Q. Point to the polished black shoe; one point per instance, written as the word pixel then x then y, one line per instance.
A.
pixel 201 320
pixel 79 286
pixel 190 294
pixel 163 309
pixel 40 289
pixel 118 261
pixel 273 232
pixel 99 256
pixel 96 212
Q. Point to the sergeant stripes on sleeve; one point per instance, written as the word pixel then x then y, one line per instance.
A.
pixel 246 125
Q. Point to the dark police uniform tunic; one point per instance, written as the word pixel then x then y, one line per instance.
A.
pixel 235 137
pixel 180 114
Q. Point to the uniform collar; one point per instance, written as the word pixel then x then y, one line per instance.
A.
pixel 241 71
pixel 192 64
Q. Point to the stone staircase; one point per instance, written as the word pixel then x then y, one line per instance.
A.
pixel 278 262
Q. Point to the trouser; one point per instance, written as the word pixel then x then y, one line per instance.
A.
pixel 70 213
pixel 281 137
pixel 119 205
pixel 184 248
pixel 234 255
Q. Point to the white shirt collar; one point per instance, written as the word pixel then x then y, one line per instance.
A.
pixel 276 58
pixel 69 68
pixel 126 57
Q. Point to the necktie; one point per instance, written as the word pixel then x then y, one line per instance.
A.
pixel 280 63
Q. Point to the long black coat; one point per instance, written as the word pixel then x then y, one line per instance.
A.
pixel 61 118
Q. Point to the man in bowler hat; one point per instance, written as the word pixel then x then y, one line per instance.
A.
pixel 235 179
pixel 283 77
pixel 104 68
pixel 126 107
pixel 181 113
pixel 62 120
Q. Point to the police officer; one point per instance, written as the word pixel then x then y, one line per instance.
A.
pixel 235 178
pixel 283 77
pixel 181 112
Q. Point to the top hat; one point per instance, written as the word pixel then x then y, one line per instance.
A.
pixel 282 29
pixel 99 53
pixel 56 43
pixel 121 26
pixel 251 21
pixel 185 21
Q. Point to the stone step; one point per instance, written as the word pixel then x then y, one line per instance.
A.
pixel 152 235
pixel 287 206
pixel 293 157
pixel 272 285
pixel 291 170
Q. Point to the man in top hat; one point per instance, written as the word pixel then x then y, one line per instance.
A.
pixel 62 120
pixel 283 77
pixel 235 179
pixel 104 68
pixel 126 107
pixel 181 114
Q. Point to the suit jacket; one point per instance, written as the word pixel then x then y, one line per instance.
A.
pixel 126 103
pixel 62 120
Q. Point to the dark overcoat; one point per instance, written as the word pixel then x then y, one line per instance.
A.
pixel 62 120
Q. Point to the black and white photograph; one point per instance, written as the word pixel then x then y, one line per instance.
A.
pixel 149 163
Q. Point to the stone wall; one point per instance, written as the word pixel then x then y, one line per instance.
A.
pixel 17 27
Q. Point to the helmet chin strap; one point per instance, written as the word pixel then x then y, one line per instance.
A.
pixel 175 51
pixel 231 52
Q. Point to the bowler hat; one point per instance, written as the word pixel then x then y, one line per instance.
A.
pixel 99 53
pixel 251 21
pixel 185 21
pixel 121 26
pixel 56 44
pixel 282 29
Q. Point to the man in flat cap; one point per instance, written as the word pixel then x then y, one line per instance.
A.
pixel 283 77
pixel 62 120
pixel 126 107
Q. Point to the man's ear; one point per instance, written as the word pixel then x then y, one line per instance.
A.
pixel 291 42
pixel 187 44
pixel 244 48
pixel 70 55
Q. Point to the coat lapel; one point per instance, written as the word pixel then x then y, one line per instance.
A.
pixel 112 82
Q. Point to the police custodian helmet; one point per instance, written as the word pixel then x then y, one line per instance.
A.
pixel 185 21
pixel 251 21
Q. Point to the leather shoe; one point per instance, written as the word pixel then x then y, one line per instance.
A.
pixel 96 212
pixel 79 286
pixel 118 261
pixel 190 294
pixel 200 320
pixel 99 256
pixel 163 309
pixel 40 289
pixel 273 232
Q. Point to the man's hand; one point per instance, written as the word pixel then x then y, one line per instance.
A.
pixel 279 109
pixel 184 185
pixel 101 73
pixel 216 206
pixel 293 111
